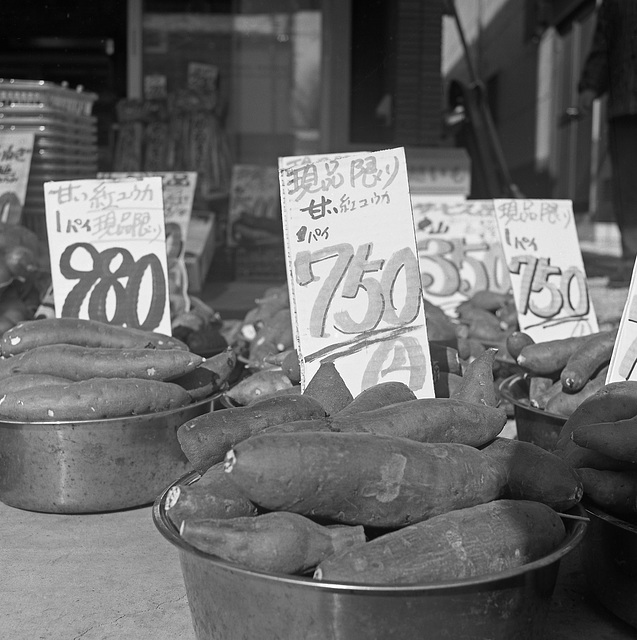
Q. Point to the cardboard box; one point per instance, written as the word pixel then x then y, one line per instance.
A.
pixel 200 250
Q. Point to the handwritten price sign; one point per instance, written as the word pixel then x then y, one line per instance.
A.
pixel 108 251
pixel 16 151
pixel 178 193
pixel 623 363
pixel 545 265
pixel 355 289
pixel 459 249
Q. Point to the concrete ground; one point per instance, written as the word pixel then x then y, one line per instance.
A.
pixel 112 576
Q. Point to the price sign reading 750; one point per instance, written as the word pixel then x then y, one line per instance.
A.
pixel 358 275
pixel 372 286
pixel 547 291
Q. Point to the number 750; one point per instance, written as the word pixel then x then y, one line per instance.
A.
pixel 535 279
pixel 355 271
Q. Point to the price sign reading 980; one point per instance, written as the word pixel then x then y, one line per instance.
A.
pixel 355 289
pixel 540 242
pixel 108 251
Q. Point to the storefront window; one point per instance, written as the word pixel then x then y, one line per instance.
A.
pixel 256 63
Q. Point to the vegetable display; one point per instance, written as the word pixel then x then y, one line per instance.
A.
pixel 72 369
pixel 461 502
pixel 563 373
pixel 465 543
pixel 599 440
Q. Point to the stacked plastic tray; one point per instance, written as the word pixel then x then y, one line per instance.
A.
pixel 65 142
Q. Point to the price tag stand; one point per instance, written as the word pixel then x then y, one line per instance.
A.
pixel 623 363
pixel 354 278
pixel 540 242
pixel 108 251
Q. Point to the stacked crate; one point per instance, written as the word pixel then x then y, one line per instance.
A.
pixel 65 137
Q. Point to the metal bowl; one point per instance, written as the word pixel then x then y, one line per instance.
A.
pixel 89 466
pixel 533 425
pixel 609 558
pixel 228 602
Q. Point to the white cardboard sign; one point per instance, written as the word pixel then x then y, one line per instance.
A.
pixel 108 251
pixel 540 242
pixel 353 274
pixel 178 192
pixel 16 151
pixel 623 363
pixel 459 249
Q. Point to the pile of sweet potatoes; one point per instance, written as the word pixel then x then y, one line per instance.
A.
pixel 263 341
pixel 562 373
pixel 71 369
pixel 381 488
pixel 599 439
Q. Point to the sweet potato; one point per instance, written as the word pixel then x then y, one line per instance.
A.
pixel 508 315
pixel 587 360
pixel 486 333
pixel 199 383
pixel 489 300
pixel 257 385
pixel 294 390
pixel 206 438
pixel 277 542
pixel 267 306
pixel 212 496
pixel 614 401
pixel 317 424
pixel 516 341
pixel 222 366
pixel 564 403
pixel 292 367
pixel 81 363
pixel 581 457
pixel 259 352
pixel 361 478
pixel 535 474
pixel 549 357
pixel 428 420
pixel 328 387
pixel 616 439
pixel 377 396
pixel 615 491
pixel 85 333
pixel 440 328
pixel 477 383
pixel 277 330
pixel 469 348
pixel 465 543
pixel 21 381
pixel 92 399
pixel 541 389
pixel 478 316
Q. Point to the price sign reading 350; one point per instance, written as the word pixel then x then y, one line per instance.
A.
pixel 459 249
